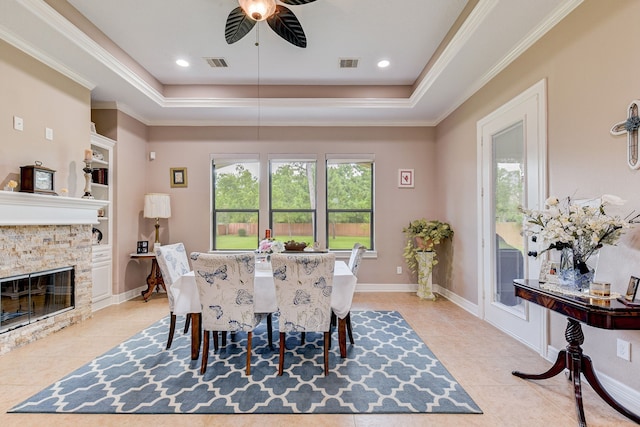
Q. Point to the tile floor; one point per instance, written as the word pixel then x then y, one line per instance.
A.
pixel 479 356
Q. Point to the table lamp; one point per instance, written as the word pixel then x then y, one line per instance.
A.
pixel 157 205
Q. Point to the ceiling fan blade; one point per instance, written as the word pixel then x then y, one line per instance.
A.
pixel 238 25
pixel 287 26
pixel 296 2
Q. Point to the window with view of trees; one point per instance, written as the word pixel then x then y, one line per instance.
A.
pixel 236 203
pixel 349 203
pixel 292 209
pixel 346 216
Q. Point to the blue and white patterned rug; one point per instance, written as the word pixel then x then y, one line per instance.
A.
pixel 388 370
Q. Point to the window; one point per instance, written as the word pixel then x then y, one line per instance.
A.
pixel 349 203
pixel 236 203
pixel 293 193
pixel 331 204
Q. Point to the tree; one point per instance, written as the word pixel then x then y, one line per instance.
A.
pixel 237 189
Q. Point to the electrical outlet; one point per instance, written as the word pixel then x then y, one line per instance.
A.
pixel 48 134
pixel 398 270
pixel 623 350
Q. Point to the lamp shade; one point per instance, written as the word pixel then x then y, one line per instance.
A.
pixel 258 10
pixel 157 205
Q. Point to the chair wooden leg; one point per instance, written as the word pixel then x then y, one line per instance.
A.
pixel 187 322
pixel 326 352
pixel 172 328
pixel 270 330
pixel 281 361
pixel 249 335
pixel 224 338
pixel 342 337
pixel 215 340
pixel 349 331
pixel 205 351
pixel 302 338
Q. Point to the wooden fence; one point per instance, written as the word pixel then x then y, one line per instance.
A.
pixel 295 229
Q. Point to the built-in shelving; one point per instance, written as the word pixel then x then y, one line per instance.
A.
pixel 102 189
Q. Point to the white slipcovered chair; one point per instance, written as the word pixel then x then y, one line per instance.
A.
pixel 303 290
pixel 225 285
pixel 356 257
pixel 354 265
pixel 173 263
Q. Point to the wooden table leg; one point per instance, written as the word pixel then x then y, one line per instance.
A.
pixel 576 362
pixel 196 333
pixel 154 279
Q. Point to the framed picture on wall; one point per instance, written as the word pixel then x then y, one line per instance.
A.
pixel 405 178
pixel 178 177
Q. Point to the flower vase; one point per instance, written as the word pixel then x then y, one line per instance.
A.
pixel 574 273
pixel 423 244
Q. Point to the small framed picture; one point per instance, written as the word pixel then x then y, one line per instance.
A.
pixel 178 177
pixel 549 272
pixel 632 289
pixel 405 178
pixel 143 247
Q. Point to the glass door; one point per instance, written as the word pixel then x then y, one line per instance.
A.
pixel 513 168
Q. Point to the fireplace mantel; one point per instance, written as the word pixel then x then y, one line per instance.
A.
pixel 38 209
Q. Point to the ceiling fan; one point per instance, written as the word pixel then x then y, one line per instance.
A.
pixel 281 20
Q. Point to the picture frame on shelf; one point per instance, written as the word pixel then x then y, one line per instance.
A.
pixel 632 289
pixel 143 247
pixel 549 272
pixel 178 177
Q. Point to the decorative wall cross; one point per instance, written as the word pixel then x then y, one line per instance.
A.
pixel 630 127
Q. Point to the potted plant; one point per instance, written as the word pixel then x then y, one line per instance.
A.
pixel 422 236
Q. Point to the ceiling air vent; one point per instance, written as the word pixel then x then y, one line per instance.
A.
pixel 217 62
pixel 348 63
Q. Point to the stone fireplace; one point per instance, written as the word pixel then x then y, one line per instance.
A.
pixel 41 233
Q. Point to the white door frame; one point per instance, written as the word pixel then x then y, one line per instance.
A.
pixel 535 157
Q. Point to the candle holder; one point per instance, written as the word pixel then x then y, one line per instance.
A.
pixel 87 179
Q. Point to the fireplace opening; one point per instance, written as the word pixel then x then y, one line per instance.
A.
pixel 27 298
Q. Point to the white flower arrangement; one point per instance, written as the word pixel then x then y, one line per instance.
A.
pixel 583 227
pixel 270 246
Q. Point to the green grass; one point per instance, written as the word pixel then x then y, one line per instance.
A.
pixel 235 242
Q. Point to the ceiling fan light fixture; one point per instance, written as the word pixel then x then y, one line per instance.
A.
pixel 258 10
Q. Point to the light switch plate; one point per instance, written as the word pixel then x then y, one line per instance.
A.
pixel 48 134
pixel 18 124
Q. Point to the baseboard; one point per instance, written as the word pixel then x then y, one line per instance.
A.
pixel 623 394
pixel 383 287
pixel 457 300
pixel 103 303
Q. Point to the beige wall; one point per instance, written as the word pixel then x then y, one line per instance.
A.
pixel 592 75
pixel 42 98
pixel 394 148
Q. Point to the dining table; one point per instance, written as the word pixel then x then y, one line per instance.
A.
pixel 187 299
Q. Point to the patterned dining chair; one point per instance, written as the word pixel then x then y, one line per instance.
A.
pixel 225 285
pixel 173 263
pixel 354 265
pixel 303 290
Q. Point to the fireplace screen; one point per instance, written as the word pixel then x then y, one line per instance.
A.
pixel 30 297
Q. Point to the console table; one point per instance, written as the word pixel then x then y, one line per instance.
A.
pixel 154 279
pixel 605 314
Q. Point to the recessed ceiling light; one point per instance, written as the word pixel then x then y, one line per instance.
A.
pixel 182 63
pixel 383 64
